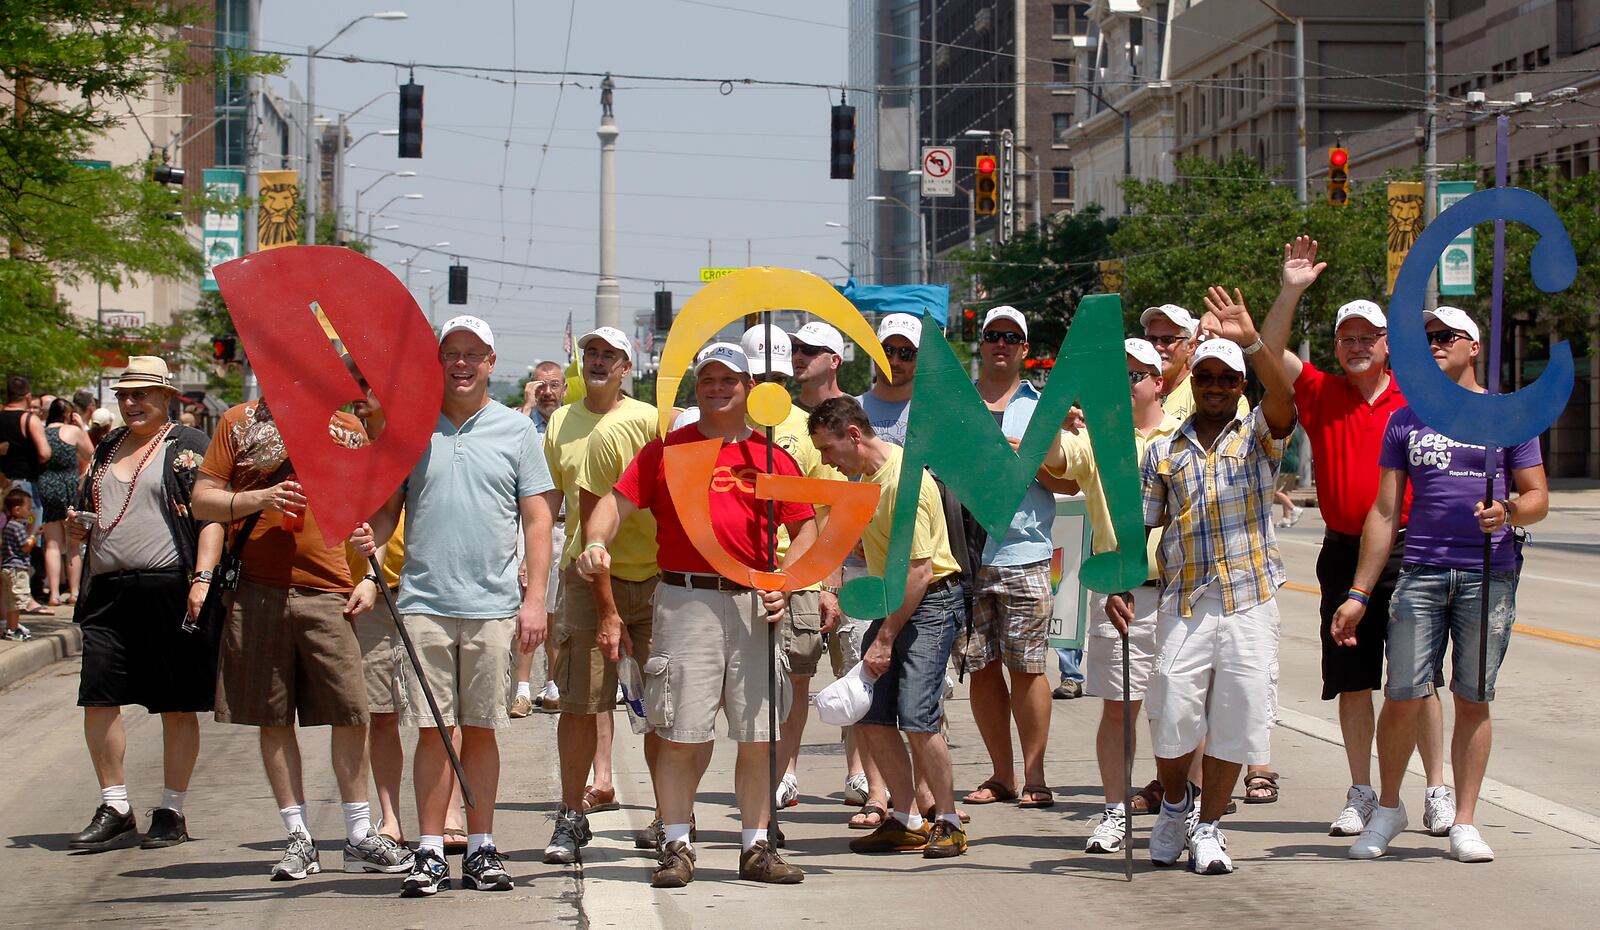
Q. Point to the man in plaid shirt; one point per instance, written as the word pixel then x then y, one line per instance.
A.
pixel 1209 486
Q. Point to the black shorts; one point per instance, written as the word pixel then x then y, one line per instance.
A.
pixel 1358 667
pixel 135 650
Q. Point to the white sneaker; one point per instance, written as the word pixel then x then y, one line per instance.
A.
pixel 1208 851
pixel 788 791
pixel 1383 826
pixel 856 788
pixel 1295 515
pixel 1439 812
pixel 1360 802
pixel 1467 845
pixel 550 693
pixel 1108 836
pixel 1171 833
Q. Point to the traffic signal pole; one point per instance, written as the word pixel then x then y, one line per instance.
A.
pixel 1430 139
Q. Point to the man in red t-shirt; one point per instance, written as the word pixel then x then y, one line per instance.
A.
pixel 1344 417
pixel 711 644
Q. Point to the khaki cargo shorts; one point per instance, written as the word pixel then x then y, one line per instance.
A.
pixel 587 681
pixel 802 633
pixel 468 664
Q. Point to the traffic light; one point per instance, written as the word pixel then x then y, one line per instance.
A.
pixel 969 325
pixel 663 310
pixel 458 284
pixel 411 120
pixel 1338 176
pixel 986 186
pixel 224 348
pixel 842 164
pixel 167 174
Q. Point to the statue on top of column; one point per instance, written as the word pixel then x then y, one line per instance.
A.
pixel 606 87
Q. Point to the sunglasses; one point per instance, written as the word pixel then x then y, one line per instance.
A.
pixel 1009 338
pixel 1444 337
pixel 801 348
pixel 1137 377
pixel 1229 380
pixel 1162 342
pixel 904 353
pixel 1365 342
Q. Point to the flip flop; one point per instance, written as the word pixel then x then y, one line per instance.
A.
pixel 997 792
pixel 870 809
pixel 1028 791
pixel 455 841
pixel 596 801
pixel 1261 781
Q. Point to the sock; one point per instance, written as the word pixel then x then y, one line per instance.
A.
pixel 173 800
pixel 1117 809
pixel 434 844
pixel 294 819
pixel 748 838
pixel 1184 808
pixel 675 833
pixel 953 820
pixel 357 821
pixel 911 820
pixel 524 690
pixel 475 840
pixel 1438 791
pixel 116 797
pixel 551 692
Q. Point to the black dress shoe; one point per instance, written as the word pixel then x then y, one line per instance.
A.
pixel 167 828
pixel 106 828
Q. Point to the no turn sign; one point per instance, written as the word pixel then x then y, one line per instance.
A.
pixel 938 171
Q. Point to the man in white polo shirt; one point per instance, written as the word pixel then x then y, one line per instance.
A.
pixel 483 471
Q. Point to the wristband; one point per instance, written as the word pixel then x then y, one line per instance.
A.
pixel 200 576
pixel 1253 347
pixel 1359 596
pixel 595 545
pixel 371 577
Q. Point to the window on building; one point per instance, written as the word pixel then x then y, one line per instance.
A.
pixel 1183 119
pixel 1060 183
pixel 1061 125
pixel 1157 69
pixel 1495 75
pixel 1527 61
pixel 1135 45
pixel 1061 72
pixel 1543 56
pixel 1201 121
pixel 1061 20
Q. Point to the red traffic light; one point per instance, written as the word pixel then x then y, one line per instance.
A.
pixel 972 314
pixel 1338 157
pixel 986 164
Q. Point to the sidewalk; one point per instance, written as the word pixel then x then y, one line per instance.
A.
pixel 54 638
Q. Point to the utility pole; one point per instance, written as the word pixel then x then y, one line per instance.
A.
pixel 1300 108
pixel 252 171
pixel 1430 140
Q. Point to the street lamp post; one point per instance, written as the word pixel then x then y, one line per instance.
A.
pixel 848 269
pixel 922 229
pixel 313 179
pixel 339 163
pixel 385 207
pixel 408 262
pixel 380 180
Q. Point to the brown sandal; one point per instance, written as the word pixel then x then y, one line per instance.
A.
pixel 1146 800
pixel 595 800
pixel 997 793
pixel 1261 781
pixel 871 809
pixel 1029 793
pixel 455 841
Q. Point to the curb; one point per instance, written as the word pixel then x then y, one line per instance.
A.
pixel 19 660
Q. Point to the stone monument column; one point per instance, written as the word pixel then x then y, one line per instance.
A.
pixel 607 295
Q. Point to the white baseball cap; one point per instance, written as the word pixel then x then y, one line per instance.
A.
pixel 611 336
pixel 1455 318
pixel 820 335
pixel 725 353
pixel 101 417
pixel 1143 352
pixel 1364 309
pixel 1006 313
pixel 847 700
pixel 755 348
pixel 1180 317
pixel 901 324
pixel 472 325
pixel 1225 351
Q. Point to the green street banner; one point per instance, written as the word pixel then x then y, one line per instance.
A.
pixel 1456 265
pixel 222 233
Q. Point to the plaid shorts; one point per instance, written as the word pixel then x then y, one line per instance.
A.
pixel 1011 607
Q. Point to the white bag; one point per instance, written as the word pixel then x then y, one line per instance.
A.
pixel 846 700
pixel 633 693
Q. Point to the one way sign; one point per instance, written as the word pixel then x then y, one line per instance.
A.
pixel 938 171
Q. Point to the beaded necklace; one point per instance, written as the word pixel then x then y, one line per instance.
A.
pixel 149 450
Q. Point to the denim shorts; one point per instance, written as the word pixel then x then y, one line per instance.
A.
pixel 909 695
pixel 1431 605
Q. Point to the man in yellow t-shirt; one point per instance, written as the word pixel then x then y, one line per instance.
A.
pixel 813 612
pixel 1071 457
pixel 907 651
pixel 586 681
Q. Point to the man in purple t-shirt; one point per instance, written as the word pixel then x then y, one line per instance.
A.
pixel 1441 587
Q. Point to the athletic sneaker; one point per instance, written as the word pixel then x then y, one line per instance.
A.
pixel 1383 826
pixel 376 853
pixel 1172 830
pixel 572 831
pixel 892 836
pixel 430 874
pixel 856 789
pixel 549 699
pixel 484 870
pixel 19 634
pixel 1467 845
pixel 520 707
pixel 1208 851
pixel 1108 836
pixel 788 791
pixel 1439 811
pixel 1360 801
pixel 945 840
pixel 299 860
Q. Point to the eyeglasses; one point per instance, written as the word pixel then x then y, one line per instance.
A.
pixel 1137 377
pixel 1365 342
pixel 1444 337
pixel 1009 338
pixel 904 353
pixel 472 358
pixel 801 348
pixel 548 385
pixel 1229 380
pixel 1162 342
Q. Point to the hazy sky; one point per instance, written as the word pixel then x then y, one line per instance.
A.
pixel 692 163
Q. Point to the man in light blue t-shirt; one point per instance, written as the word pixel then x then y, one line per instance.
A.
pixel 482 475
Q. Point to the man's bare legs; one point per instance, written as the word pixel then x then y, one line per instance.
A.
pixel 180 749
pixel 1430 740
pixel 1108 748
pixel 107 742
pixel 1358 724
pixel 605 729
pixel 1220 778
pixel 1469 755
pixel 991 711
pixel 679 768
pixel 388 766
pixel 1030 705
pixel 792 731
pixel 1397 738
pixel 431 772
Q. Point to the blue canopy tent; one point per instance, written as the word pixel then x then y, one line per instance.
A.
pixel 929 300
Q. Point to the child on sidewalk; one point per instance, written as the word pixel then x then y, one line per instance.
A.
pixel 15 548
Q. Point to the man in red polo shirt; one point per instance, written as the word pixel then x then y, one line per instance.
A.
pixel 1345 416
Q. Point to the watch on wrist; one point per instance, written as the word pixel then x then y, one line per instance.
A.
pixel 1254 347
pixel 200 576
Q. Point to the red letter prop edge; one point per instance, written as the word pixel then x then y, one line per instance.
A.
pixel 269 295
pixel 953 433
